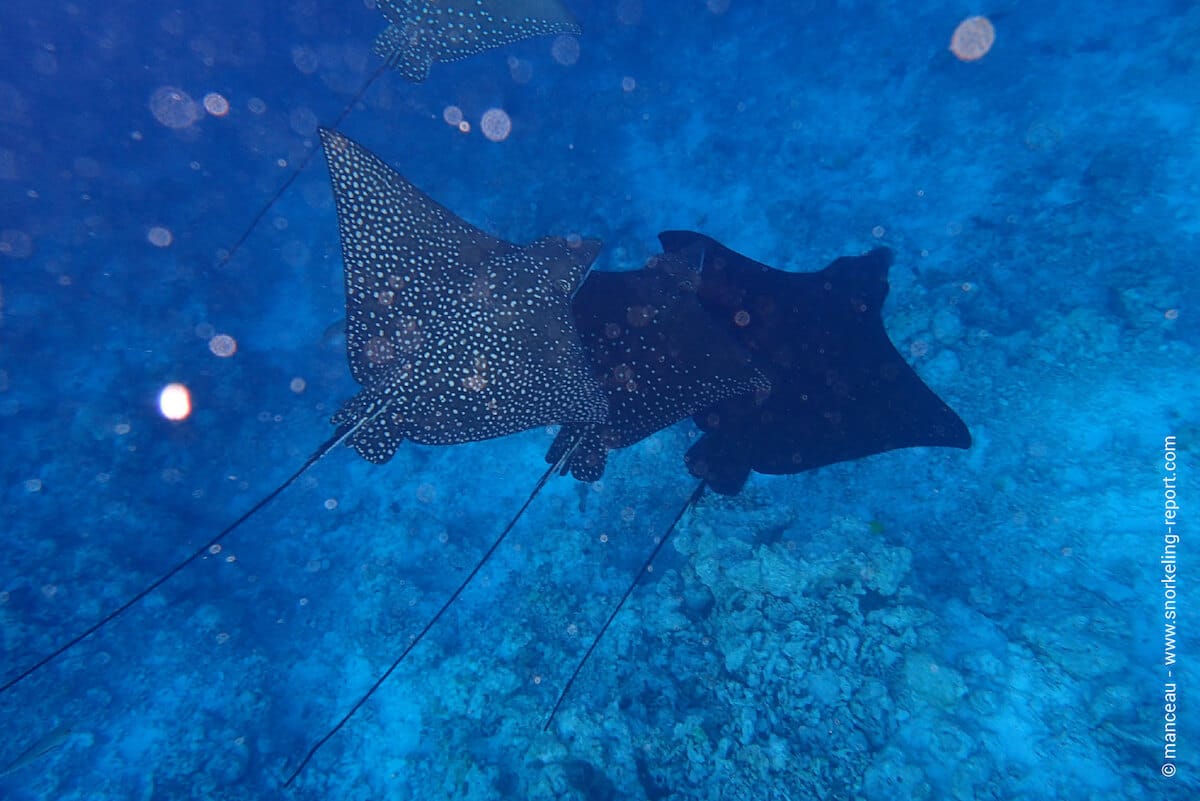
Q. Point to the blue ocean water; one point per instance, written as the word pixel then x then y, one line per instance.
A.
pixel 923 623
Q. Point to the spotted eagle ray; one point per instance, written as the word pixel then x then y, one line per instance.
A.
pixel 420 33
pixel 801 360
pixel 786 371
pixel 838 390
pixel 453 334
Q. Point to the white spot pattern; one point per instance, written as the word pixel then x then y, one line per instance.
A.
pixel 455 335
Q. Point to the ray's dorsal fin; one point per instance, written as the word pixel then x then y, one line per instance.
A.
pixel 421 32
pixel 454 334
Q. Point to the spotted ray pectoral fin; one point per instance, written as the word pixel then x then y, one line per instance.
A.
pixel 533 333
pixel 400 247
pixel 421 33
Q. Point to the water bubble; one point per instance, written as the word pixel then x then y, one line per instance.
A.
pixel 520 70
pixel 298 384
pixel 223 345
pixel 496 124
pixel 305 59
pixel 173 107
pixel 565 50
pixel 216 104
pixel 160 236
pixel 16 244
pixel 452 115
pixel 973 38
pixel 303 121
pixel 175 402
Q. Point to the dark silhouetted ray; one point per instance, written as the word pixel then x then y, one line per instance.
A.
pixel 422 32
pixel 838 388
pixel 659 357
pixel 455 335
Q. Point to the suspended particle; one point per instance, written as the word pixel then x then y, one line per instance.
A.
pixel 175 402
pixel 496 124
pixel 222 345
pixel 173 107
pixel 216 104
pixel 565 50
pixel 160 237
pixel 973 38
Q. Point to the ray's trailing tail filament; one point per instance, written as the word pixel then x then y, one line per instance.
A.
pixel 692 500
pixel 295 173
pixel 338 437
pixel 433 620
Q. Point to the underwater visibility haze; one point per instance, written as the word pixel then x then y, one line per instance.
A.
pixel 564 399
